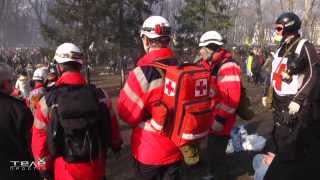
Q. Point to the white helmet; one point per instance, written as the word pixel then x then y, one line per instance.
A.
pixel 211 37
pixel 155 26
pixel 40 74
pixel 68 52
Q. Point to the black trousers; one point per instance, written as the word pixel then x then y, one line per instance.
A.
pixel 297 152
pixel 152 172
pixel 216 152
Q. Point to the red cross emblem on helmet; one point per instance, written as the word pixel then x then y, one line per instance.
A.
pixel 157 29
pixel 169 87
pixel 201 88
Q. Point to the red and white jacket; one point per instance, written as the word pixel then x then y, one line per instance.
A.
pixel 63 170
pixel 136 106
pixel 225 89
pixel 35 95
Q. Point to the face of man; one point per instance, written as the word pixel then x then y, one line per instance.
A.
pixel 145 44
pixel 278 33
pixel 205 53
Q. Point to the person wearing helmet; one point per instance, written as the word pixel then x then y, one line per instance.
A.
pixel 155 155
pixel 296 128
pixel 226 91
pixel 74 124
pixel 52 77
pixel 37 85
pixel 15 126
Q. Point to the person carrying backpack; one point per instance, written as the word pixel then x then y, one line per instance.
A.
pixel 295 103
pixel 38 87
pixel 155 155
pixel 226 93
pixel 74 124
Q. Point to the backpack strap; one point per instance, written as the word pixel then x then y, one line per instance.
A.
pixel 297 41
pixel 159 65
pixel 300 45
pixel 217 66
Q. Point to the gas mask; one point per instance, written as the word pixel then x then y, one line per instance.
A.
pixel 277 38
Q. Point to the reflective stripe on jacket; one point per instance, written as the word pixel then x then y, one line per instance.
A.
pixel 63 170
pixel 143 88
pixel 225 90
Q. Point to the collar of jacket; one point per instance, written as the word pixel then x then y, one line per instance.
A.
pixel 287 42
pixel 217 58
pixel 38 85
pixel 221 56
pixel 71 78
pixel 151 56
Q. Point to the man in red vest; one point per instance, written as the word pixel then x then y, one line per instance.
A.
pixel 155 155
pixel 225 91
pixel 83 156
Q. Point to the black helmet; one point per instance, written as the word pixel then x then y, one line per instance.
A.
pixel 290 21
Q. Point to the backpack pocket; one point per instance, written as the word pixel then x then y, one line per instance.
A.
pixel 197 120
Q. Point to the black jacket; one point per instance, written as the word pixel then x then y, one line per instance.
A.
pixel 15 133
pixel 304 97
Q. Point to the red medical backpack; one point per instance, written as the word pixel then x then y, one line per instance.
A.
pixel 186 95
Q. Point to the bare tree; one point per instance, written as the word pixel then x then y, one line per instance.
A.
pixel 2 5
pixel 259 23
pixel 308 17
pixel 291 5
pixel 40 9
pixel 281 5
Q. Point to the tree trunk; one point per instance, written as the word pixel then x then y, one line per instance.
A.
pixel 307 16
pixel 281 5
pixel 120 32
pixel 259 23
pixel 290 5
pixel 236 21
pixel 204 14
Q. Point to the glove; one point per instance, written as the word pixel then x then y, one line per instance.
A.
pixel 264 101
pixel 268 158
pixel 293 107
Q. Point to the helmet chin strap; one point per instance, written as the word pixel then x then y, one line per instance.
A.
pixel 58 70
pixel 147 48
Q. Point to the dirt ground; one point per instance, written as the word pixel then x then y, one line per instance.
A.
pixel 238 165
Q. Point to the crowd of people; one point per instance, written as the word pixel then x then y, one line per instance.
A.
pixel 63 126
pixel 20 59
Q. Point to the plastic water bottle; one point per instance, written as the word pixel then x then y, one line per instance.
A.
pixel 260 169
pixel 236 139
